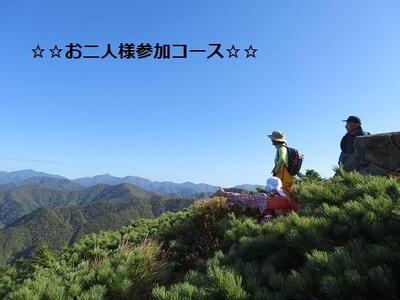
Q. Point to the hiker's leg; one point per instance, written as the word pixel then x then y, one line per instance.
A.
pixel 286 178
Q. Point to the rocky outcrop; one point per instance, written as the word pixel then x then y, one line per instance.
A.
pixel 376 154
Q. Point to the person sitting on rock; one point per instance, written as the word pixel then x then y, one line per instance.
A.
pixel 270 203
pixel 354 129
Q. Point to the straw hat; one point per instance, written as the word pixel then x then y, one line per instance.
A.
pixel 277 136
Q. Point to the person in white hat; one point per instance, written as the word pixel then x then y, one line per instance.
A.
pixel 268 203
pixel 274 186
pixel 281 160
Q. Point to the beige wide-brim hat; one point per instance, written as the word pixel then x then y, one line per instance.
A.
pixel 277 136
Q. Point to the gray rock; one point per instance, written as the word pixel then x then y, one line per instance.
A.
pixel 376 154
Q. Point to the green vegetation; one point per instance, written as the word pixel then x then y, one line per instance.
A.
pixel 19 201
pixel 108 207
pixel 343 244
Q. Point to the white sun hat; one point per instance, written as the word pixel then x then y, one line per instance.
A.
pixel 274 185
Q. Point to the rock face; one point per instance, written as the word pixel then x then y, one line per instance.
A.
pixel 376 154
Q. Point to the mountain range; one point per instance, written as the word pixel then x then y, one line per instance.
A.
pixel 37 215
pixel 32 177
pixel 18 176
pixel 37 207
pixel 160 187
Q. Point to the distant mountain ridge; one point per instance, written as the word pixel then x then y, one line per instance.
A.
pixel 19 176
pixel 161 187
pixel 186 189
pixel 36 207
pixel 43 181
pixel 22 200
pixel 102 207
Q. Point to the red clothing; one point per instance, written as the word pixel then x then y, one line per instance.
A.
pixel 265 203
pixel 281 202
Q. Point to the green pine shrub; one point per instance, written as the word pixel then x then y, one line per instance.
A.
pixel 343 243
pixel 334 248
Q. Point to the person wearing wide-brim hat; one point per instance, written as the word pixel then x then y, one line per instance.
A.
pixel 281 160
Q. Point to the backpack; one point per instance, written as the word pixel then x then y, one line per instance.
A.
pixel 295 159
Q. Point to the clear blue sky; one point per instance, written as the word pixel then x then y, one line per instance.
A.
pixel 196 119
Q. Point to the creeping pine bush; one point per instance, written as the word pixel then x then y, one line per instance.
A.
pixel 124 264
pixel 343 243
pixel 126 273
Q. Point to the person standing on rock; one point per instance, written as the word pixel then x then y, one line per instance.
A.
pixel 281 160
pixel 354 129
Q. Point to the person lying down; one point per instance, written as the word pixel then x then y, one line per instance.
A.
pixel 273 202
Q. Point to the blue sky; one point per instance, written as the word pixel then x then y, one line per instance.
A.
pixel 197 119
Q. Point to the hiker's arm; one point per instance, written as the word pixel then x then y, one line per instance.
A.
pixel 282 152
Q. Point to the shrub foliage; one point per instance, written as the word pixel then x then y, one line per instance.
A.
pixel 343 243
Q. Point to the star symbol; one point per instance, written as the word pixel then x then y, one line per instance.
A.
pixel 55 52
pixel 37 52
pixel 251 52
pixel 233 51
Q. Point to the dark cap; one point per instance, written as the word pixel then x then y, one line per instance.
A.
pixel 353 119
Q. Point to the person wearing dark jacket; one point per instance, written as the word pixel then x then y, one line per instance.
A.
pixel 354 129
